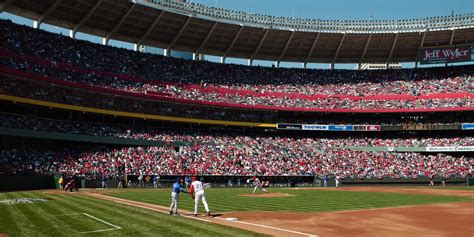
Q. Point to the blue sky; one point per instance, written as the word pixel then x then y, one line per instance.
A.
pixel 347 9
pixel 317 9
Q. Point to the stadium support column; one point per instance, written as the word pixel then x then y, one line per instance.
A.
pixel 233 41
pixel 313 46
pixel 198 50
pixel 451 39
pixel 391 50
pixel 138 48
pixel 84 19
pixel 37 23
pixel 337 51
pixel 148 31
pixel 259 45
pixel 222 60
pixel 422 42
pixel 284 49
pixel 117 26
pixel 197 56
pixel 179 33
pixel 359 65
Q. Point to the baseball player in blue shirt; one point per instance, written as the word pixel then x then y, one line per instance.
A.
pixel 175 196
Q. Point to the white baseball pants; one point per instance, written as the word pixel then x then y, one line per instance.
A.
pixel 200 195
pixel 174 202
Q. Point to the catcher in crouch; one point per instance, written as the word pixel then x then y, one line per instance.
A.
pixel 257 183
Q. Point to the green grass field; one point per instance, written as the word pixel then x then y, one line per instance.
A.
pixel 63 216
pixel 227 200
pixel 79 215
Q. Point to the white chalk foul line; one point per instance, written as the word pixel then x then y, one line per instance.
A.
pixel 114 227
pixel 100 220
pixel 146 206
pixel 271 227
pixel 156 209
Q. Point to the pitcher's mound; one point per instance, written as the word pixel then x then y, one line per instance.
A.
pixel 267 195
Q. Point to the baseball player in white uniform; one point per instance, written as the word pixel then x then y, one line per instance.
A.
pixel 198 194
pixel 258 184
pixel 338 180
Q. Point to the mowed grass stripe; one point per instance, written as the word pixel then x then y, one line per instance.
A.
pixel 134 221
pixel 174 226
pixel 61 205
pixel 6 218
pixel 32 215
pixel 304 200
pixel 51 209
pixel 188 203
pixel 26 226
pixel 144 221
pixel 215 203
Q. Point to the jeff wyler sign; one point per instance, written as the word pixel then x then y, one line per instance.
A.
pixel 445 55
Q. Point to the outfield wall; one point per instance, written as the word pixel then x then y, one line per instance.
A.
pixel 26 182
pixel 300 181
pixel 35 182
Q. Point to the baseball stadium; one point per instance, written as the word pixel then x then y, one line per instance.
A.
pixel 236 118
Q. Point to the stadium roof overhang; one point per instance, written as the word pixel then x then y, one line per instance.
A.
pixel 168 25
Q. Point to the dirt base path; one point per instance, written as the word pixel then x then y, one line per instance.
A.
pixel 452 219
pixel 448 219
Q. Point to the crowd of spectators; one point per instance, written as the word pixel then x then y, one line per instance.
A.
pixel 281 102
pixel 38 52
pixel 18 86
pixel 62 58
pixel 170 135
pixel 262 158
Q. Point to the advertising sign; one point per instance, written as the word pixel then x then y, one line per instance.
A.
pixel 341 128
pixel 373 127
pixel 445 55
pixel 315 127
pixel 450 148
pixel 289 126
pixel 468 126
